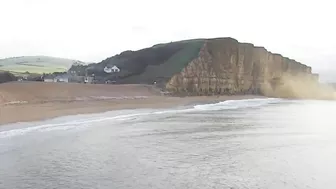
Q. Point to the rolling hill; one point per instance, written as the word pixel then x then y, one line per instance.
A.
pixel 36 64
pixel 158 62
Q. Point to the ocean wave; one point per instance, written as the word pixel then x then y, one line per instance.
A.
pixel 15 102
pixel 64 125
pixel 237 104
pixel 110 98
pixel 84 120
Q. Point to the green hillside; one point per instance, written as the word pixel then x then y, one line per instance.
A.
pixel 35 64
pixel 174 64
pixel 156 63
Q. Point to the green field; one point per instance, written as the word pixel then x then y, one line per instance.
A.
pixel 35 64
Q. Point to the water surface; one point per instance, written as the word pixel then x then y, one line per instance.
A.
pixel 259 143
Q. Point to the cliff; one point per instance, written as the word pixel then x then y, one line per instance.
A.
pixel 225 66
pixel 220 66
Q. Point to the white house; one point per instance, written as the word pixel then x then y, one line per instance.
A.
pixel 111 69
pixel 115 69
pixel 62 78
pixel 107 70
pixel 48 78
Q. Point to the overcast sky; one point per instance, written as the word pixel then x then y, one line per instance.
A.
pixel 92 30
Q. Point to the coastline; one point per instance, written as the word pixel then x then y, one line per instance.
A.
pixel 19 111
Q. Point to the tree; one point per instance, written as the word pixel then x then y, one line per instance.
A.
pixel 7 77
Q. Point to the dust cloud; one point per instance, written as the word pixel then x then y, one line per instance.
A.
pixel 299 86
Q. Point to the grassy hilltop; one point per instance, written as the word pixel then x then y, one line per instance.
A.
pixel 158 62
pixel 35 64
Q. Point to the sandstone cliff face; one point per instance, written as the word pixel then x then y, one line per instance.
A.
pixel 225 66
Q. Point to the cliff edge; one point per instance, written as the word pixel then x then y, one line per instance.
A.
pixel 220 66
pixel 225 66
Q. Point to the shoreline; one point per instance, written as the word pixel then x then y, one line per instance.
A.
pixel 38 111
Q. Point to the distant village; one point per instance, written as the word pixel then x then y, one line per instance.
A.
pixel 71 76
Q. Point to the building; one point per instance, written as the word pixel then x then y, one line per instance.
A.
pixel 115 69
pixel 88 80
pixel 64 78
pixel 112 69
pixel 76 79
pixel 48 78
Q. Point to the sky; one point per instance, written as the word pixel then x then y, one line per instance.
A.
pixel 92 30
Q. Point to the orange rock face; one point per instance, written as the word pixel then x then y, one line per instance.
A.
pixel 225 66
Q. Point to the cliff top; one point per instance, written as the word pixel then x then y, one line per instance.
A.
pixel 161 61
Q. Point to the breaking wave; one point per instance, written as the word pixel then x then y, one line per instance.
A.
pixel 86 120
pixel 237 104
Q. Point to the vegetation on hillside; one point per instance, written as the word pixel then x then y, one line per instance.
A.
pixel 80 69
pixel 147 65
pixel 35 64
pixel 6 77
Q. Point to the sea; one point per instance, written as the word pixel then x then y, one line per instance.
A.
pixel 236 144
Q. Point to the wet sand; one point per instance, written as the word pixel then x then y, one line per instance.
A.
pixel 24 102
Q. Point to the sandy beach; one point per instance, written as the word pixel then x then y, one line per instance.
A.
pixel 24 102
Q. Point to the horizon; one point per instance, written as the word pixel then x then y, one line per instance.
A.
pixel 91 31
pixel 37 55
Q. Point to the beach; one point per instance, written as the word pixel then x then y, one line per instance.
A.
pixel 34 101
pixel 231 144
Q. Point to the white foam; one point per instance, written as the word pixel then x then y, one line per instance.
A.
pixel 63 126
pixel 16 102
pixel 110 98
pixel 117 97
pixel 237 104
pixel 85 120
